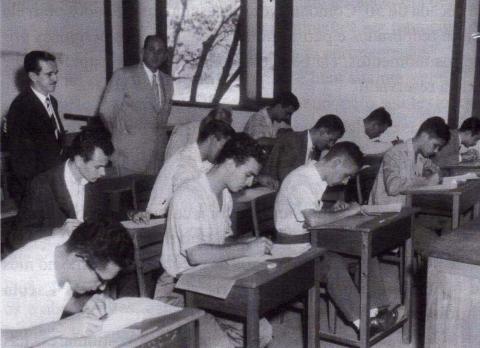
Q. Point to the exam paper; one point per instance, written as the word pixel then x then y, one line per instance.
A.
pixel 279 251
pixel 381 208
pixel 459 178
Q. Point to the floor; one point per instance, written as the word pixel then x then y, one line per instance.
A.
pixel 287 326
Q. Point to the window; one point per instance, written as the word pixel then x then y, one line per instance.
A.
pixel 228 50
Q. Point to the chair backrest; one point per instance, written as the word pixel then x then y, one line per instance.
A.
pixel 262 215
pixel 148 242
pixel 143 188
pixel 121 193
pixel 365 179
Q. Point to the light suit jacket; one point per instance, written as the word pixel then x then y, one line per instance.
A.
pixel 136 121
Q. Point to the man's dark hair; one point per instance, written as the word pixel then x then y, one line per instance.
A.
pixel 346 149
pixel 151 38
pixel 101 242
pixel 219 129
pixel 287 99
pixel 380 116
pixel 87 140
pixel 471 124
pixel 212 115
pixel 240 148
pixel 331 123
pixel 31 62
pixel 435 127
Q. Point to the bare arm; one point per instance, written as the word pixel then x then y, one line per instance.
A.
pixel 319 217
pixel 209 253
pixel 78 325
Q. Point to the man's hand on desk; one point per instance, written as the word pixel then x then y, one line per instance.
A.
pixel 340 205
pixel 268 181
pixel 99 306
pixel 67 228
pixel 433 179
pixel 139 216
pixel 79 325
pixel 259 247
pixel 470 155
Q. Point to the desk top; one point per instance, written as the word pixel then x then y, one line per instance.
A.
pixel 472 184
pixel 371 224
pixel 460 245
pixel 162 325
pixel 472 165
pixel 283 265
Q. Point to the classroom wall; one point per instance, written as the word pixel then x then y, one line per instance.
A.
pixel 352 56
pixel 70 29
pixel 349 57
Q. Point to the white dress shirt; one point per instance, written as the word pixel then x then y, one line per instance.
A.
pixel 302 189
pixel 76 190
pixel 181 167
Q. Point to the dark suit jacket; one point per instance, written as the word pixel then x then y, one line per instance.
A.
pixel 449 154
pixel 288 153
pixel 32 143
pixel 47 204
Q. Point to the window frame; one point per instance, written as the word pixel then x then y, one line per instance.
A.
pixel 282 71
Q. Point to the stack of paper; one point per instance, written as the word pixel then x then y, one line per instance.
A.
pixel 459 178
pixel 129 224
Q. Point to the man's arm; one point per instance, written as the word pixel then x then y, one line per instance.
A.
pixel 209 253
pixel 78 325
pixel 112 99
pixel 320 217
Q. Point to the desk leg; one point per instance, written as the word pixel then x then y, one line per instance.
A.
pixel 252 338
pixel 476 210
pixel 407 327
pixel 194 334
pixel 408 202
pixel 364 294
pixel 455 212
pixel 314 310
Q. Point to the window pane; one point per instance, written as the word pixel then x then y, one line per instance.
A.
pixel 268 47
pixel 206 55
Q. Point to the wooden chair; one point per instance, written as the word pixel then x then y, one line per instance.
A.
pixel 264 226
pixel 148 242
pixel 121 193
pixel 262 215
pixel 365 179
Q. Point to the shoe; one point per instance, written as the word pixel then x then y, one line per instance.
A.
pixel 385 319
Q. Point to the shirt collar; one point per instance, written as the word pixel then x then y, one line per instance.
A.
pixel 43 98
pixel 150 73
pixel 70 178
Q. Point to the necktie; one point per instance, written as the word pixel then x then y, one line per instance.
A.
pixel 53 117
pixel 157 90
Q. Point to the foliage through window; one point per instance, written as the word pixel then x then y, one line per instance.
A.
pixel 205 40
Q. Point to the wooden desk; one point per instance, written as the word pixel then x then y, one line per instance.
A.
pixel 366 241
pixel 453 285
pixel 253 296
pixel 461 168
pixel 178 329
pixel 453 203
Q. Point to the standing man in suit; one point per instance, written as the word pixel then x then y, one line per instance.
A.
pixel 34 127
pixel 135 108
pixel 294 149
pixel 58 200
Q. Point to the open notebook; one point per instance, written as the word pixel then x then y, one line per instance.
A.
pixel 127 311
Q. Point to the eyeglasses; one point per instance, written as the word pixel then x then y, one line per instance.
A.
pixel 89 265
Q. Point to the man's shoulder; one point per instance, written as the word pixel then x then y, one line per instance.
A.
pixel 23 99
pixel 294 137
pixel 52 174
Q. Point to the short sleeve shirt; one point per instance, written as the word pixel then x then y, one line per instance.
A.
pixel 183 166
pixel 302 189
pixel 260 125
pixel 194 218
pixel 31 294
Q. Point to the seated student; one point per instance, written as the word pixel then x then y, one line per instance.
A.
pixel 299 203
pixel 61 198
pixel 198 224
pixel 187 133
pixel 408 165
pixel 39 279
pixel 188 164
pixel 467 136
pixel 296 148
pixel 374 125
pixel 265 124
